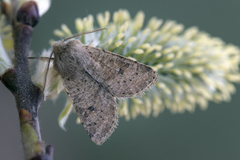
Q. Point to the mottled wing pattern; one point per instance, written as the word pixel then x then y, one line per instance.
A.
pixel 122 76
pixel 95 106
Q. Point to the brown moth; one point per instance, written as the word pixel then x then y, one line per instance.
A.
pixel 94 78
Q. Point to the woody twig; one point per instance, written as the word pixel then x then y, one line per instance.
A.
pixel 18 80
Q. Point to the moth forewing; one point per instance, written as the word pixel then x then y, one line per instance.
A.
pixel 121 76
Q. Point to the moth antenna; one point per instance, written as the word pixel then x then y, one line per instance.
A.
pixel 45 79
pixel 83 33
pixel 41 58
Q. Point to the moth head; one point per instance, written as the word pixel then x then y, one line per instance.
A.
pixel 58 46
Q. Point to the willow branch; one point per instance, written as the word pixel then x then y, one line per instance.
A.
pixel 27 95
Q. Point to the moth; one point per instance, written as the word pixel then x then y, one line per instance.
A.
pixel 93 78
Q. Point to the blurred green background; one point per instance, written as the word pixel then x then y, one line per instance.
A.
pixel 210 134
